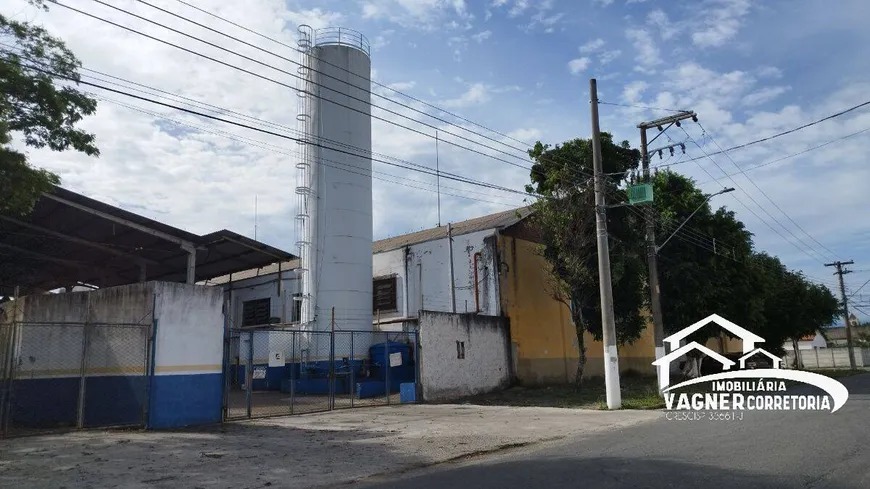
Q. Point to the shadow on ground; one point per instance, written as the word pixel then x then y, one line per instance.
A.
pixel 597 472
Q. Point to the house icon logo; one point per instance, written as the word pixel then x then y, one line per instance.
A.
pixel 730 385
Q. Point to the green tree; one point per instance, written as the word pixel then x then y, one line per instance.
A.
pixel 40 105
pixel 566 219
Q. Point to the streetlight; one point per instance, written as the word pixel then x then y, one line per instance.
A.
pixel 723 191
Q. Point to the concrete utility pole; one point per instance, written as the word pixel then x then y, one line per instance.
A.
pixel 652 263
pixel 608 323
pixel 840 272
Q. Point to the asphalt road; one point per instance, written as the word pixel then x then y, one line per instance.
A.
pixel 764 450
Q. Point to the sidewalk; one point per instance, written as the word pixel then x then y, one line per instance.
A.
pixel 302 451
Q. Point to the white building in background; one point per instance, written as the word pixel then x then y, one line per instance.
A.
pixel 411 272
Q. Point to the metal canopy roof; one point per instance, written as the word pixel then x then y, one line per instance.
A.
pixel 70 239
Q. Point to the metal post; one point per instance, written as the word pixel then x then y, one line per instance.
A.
pixel 611 359
pixel 294 370
pixel 191 263
pixel 352 372
pixel 80 409
pixel 387 367
pixel 817 357
pixel 450 257
pixel 249 377
pixel 332 361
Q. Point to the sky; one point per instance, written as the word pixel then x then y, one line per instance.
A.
pixel 516 71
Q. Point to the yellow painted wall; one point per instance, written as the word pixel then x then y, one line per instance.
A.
pixel 545 349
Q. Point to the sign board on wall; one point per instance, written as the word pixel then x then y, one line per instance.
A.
pixel 395 359
pixel 276 359
pixel 259 373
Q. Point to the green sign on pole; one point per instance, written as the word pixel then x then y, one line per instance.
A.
pixel 640 193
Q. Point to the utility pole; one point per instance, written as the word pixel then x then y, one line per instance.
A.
pixel 608 323
pixel 651 251
pixel 840 272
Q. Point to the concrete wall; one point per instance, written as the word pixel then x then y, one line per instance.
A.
pixel 118 323
pixel 264 286
pixel 829 357
pixel 485 366
pixel 187 384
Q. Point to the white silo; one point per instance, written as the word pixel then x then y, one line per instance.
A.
pixel 335 180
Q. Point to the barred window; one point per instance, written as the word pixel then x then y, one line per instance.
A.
pixel 384 294
pixel 256 312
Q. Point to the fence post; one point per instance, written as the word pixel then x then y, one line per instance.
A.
pixel 80 409
pixel 332 360
pixel 833 359
pixel 249 377
pixel 817 356
pixel 294 369
pixel 352 372
pixel 387 367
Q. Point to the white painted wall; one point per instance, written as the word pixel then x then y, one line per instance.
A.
pixel 485 366
pixel 429 275
pixel 260 288
pixel 190 328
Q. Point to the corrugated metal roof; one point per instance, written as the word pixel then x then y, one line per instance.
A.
pixel 499 220
pixel 286 266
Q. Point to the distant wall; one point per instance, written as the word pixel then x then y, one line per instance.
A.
pixel 484 340
pixel 829 357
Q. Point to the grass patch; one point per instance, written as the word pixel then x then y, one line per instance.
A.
pixel 637 393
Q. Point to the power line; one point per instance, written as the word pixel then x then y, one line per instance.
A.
pixel 765 194
pixel 419 168
pixel 216 31
pixel 862 131
pixel 385 86
pixel 276 149
pixel 243 70
pixel 802 250
pixel 783 133
pixel 859 288
pixel 640 107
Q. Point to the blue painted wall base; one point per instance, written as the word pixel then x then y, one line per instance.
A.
pixel 185 400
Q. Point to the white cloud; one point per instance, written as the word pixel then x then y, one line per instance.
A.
pixel 519 7
pixel 498 3
pixel 418 14
pixel 477 94
pixel 667 28
pixel 608 56
pixel 769 72
pixel 722 20
pixel 633 92
pixel 648 55
pixel 629 2
pixel 604 3
pixel 482 36
pixel 764 95
pixel 402 86
pixel 592 46
pixel 578 65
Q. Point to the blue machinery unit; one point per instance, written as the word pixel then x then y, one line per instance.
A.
pixel 390 363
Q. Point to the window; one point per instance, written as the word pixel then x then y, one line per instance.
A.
pixel 256 312
pixel 296 314
pixel 460 350
pixel 384 294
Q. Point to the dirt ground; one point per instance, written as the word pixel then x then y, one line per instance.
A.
pixel 315 450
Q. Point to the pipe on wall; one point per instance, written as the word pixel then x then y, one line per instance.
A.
pixel 450 258
pixel 476 285
pixel 406 301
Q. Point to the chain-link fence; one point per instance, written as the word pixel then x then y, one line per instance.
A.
pixel 275 372
pixel 72 375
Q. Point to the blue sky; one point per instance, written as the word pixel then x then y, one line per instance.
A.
pixel 521 67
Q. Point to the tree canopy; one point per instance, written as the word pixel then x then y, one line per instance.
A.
pixel 561 175
pixel 709 266
pixel 39 109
